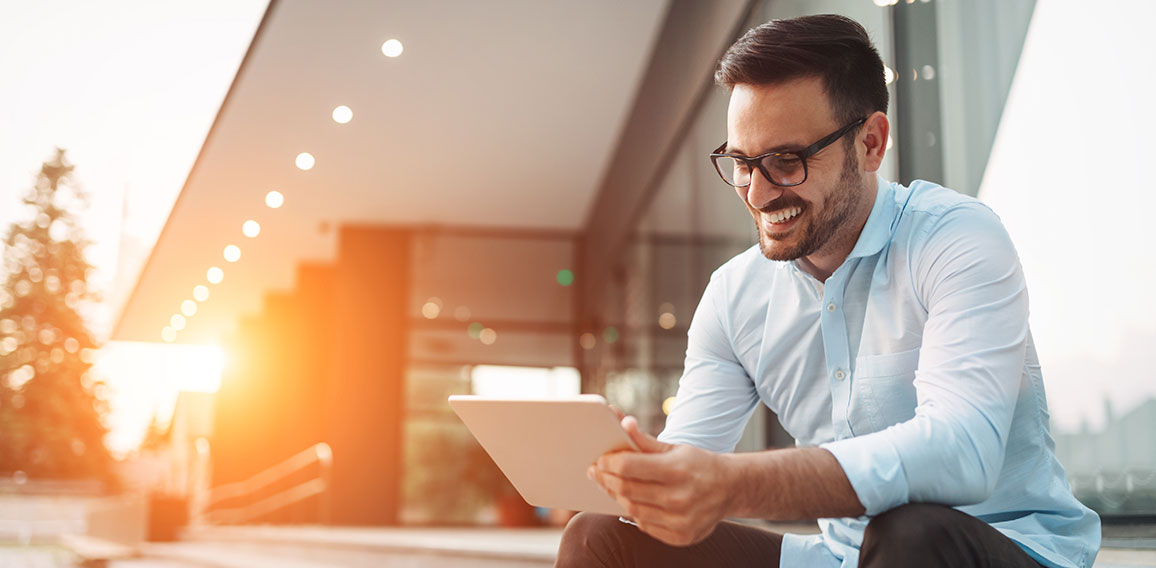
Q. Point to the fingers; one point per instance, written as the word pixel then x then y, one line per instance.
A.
pixel 672 528
pixel 633 491
pixel 644 441
pixel 618 412
pixel 636 466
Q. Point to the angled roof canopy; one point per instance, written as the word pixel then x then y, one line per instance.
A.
pixel 496 114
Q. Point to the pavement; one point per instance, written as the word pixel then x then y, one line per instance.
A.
pixel 333 547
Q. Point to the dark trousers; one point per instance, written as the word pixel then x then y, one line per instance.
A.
pixel 912 535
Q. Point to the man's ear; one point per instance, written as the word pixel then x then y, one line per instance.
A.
pixel 872 140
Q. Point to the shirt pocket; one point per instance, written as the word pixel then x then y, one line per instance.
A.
pixel 882 391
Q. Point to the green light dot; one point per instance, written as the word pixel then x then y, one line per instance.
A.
pixel 476 330
pixel 610 334
pixel 565 277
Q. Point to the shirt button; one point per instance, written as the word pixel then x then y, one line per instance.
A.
pixel 840 375
pixel 831 307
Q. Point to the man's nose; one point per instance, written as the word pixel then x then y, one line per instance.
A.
pixel 761 191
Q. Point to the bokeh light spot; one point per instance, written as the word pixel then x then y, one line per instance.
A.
pixel 488 336
pixel 587 341
pixel 188 307
pixel 305 161
pixel 215 275
pixel 475 330
pixel 610 334
pixel 432 308
pixel 200 292
pixel 565 277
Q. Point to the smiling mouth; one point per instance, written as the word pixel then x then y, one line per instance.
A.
pixel 783 216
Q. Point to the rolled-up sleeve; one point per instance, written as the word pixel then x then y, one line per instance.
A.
pixel 968 278
pixel 715 394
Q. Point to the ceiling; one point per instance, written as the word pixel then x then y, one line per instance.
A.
pixel 497 114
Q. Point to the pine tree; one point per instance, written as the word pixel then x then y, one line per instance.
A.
pixel 51 420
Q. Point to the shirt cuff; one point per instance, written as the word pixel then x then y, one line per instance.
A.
pixel 873 467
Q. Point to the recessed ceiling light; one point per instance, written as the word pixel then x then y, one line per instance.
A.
pixel 305 161
pixel 232 253
pixel 392 48
pixel 274 199
pixel 251 228
pixel 342 114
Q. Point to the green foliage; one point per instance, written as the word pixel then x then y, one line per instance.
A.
pixel 51 419
pixel 449 476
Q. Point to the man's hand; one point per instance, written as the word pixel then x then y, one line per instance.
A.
pixel 675 493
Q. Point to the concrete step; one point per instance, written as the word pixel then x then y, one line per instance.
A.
pixel 317 547
pixel 330 547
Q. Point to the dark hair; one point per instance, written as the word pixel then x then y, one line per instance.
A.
pixel 833 48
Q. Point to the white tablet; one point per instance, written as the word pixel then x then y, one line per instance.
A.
pixel 545 445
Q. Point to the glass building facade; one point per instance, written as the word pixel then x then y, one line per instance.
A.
pixel 952 67
pixel 606 309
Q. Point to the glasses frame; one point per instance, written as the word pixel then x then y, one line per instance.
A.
pixel 756 162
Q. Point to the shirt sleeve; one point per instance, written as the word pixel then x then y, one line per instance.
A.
pixel 968 277
pixel 715 395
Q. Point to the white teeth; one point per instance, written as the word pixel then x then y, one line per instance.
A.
pixel 782 216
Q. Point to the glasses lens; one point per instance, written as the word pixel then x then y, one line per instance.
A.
pixel 785 169
pixel 733 171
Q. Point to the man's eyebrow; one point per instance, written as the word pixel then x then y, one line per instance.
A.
pixel 794 147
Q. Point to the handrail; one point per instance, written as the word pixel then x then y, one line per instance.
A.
pixel 319 453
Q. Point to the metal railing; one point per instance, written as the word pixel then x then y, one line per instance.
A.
pixel 319 486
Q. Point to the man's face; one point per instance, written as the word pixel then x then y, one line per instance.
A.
pixel 812 217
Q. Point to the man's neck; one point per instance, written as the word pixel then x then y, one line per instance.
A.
pixel 825 261
pixel 822 266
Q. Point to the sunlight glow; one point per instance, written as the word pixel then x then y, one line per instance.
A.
pixel 148 377
pixel 525 382
pixel 1092 332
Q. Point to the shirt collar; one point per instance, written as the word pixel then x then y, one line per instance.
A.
pixel 877 230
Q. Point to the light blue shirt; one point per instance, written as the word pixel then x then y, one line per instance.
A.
pixel 913 364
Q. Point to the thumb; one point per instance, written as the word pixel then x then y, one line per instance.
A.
pixel 645 442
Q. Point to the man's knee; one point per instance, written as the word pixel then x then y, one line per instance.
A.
pixel 590 540
pixel 915 530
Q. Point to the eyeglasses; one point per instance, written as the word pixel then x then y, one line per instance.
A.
pixel 784 169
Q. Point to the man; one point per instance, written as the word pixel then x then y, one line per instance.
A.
pixel 886 326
